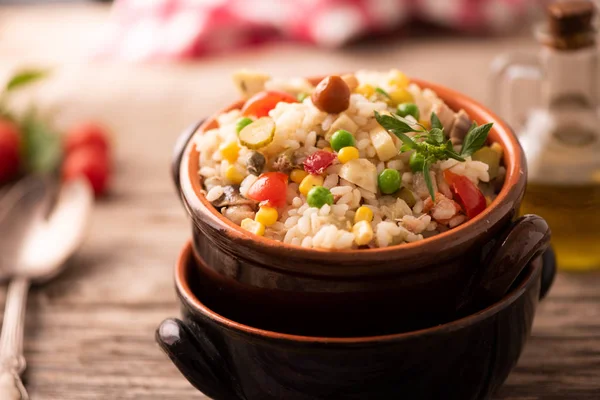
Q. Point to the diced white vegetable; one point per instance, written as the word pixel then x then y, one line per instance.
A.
pixel 362 173
pixel 250 82
pixel 342 122
pixel 383 143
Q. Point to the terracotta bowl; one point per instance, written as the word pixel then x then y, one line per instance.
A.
pixel 465 359
pixel 322 292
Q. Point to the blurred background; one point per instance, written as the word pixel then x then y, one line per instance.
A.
pixel 151 67
pixel 138 72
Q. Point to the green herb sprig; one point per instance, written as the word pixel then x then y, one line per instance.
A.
pixel 432 144
pixel 41 146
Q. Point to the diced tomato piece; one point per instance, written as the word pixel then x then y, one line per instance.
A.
pixel 9 150
pixel 466 193
pixel 87 134
pixel 89 162
pixel 271 188
pixel 318 161
pixel 261 103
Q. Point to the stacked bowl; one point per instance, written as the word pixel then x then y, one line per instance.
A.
pixel 444 317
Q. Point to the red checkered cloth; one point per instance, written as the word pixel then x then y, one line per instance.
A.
pixel 181 29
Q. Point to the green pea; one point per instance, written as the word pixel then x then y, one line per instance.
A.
pixel 416 162
pixel 341 139
pixel 389 181
pixel 242 123
pixel 318 196
pixel 405 109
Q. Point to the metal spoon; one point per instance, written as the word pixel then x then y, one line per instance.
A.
pixel 47 244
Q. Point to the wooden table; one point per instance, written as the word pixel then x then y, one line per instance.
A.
pixel 90 333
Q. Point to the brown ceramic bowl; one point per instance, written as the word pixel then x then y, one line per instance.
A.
pixel 465 359
pixel 321 291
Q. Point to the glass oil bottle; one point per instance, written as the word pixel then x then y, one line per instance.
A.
pixel 560 133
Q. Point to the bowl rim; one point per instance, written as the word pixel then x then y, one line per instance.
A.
pixel 190 300
pixel 513 157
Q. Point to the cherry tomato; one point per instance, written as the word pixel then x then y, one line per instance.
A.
pixel 91 163
pixel 261 103
pixel 9 150
pixel 467 194
pixel 318 161
pixel 271 188
pixel 87 134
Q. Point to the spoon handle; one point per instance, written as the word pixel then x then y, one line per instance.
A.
pixel 12 362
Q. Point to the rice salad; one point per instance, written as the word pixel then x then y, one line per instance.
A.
pixel 362 160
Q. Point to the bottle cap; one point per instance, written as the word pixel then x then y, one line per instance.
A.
pixel 570 25
pixel 567 18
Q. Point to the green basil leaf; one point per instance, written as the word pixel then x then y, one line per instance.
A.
pixel 406 140
pixel 394 125
pixel 473 126
pixel 475 139
pixel 435 122
pixel 454 155
pixel 25 78
pixel 427 178
pixel 382 92
pixel 405 147
pixel 42 147
pixel 437 135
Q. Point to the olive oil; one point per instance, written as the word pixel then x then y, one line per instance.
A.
pixel 573 214
pixel 560 135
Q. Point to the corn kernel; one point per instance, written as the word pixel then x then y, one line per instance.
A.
pixel 488 201
pixel 309 182
pixel 347 154
pixel 363 213
pixel 253 227
pixel 400 96
pixel 297 175
pixel 398 79
pixel 328 149
pixel 230 151
pixel 497 148
pixel 425 123
pixel 266 215
pixel 366 90
pixel 363 232
pixel 233 175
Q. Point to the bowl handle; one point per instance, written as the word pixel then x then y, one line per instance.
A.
pixel 524 240
pixel 197 358
pixel 178 150
pixel 548 271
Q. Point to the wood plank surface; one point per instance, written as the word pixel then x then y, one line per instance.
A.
pixel 90 333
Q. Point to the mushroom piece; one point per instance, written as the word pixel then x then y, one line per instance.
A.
pixel 332 95
pixel 237 214
pixel 232 197
pixel 255 163
pixel 288 160
pixel 460 127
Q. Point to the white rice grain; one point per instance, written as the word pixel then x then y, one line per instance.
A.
pixel 307 242
pixel 340 190
pixel 214 193
pixel 330 181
